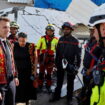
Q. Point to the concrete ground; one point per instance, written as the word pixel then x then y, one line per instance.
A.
pixel 43 99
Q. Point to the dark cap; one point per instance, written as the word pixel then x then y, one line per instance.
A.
pixel 67 24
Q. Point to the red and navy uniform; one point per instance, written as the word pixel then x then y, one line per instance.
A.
pixel 92 54
pixel 12 38
pixel 67 48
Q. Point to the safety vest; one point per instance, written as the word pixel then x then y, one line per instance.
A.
pixel 98 92
pixel 95 95
pixel 43 48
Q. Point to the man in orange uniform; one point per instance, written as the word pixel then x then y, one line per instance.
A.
pixel 46 47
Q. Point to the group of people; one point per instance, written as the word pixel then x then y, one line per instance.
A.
pixel 19 60
pixel 67 59
pixel 17 65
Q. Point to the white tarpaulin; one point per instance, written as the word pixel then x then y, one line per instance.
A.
pixel 19 1
pixel 81 10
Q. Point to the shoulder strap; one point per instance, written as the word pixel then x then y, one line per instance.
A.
pixel 48 44
pixel 91 52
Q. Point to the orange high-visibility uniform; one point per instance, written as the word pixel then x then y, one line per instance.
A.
pixel 46 56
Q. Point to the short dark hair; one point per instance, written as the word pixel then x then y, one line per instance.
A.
pixel 22 34
pixel 4 19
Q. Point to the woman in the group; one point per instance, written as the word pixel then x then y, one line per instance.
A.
pixel 98 91
pixel 26 61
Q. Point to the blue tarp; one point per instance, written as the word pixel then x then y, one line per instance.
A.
pixel 98 2
pixel 55 4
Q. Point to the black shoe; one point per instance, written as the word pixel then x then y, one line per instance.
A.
pixel 69 102
pixel 39 90
pixel 78 99
pixel 54 98
pixel 49 90
pixel 27 103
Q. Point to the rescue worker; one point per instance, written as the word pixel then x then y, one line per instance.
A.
pixel 14 27
pixel 46 47
pixel 91 56
pixel 98 91
pixel 67 59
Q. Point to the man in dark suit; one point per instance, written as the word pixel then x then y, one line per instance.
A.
pixel 8 74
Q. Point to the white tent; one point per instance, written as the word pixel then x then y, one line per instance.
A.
pixel 34 20
pixel 81 10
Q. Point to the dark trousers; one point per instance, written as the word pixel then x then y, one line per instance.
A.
pixel 8 92
pixel 86 81
pixel 70 83
pixel 86 91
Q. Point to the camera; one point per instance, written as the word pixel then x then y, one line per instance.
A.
pixel 98 77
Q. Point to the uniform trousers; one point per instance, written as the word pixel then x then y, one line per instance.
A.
pixel 8 93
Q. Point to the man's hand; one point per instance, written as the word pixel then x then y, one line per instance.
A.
pixel 16 81
pixel 1 96
pixel 89 71
pixel 75 72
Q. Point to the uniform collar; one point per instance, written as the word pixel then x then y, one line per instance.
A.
pixel 2 39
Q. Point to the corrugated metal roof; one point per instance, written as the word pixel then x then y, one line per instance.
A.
pixel 19 1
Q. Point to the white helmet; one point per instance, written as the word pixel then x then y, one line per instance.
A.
pixel 98 16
